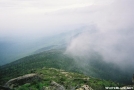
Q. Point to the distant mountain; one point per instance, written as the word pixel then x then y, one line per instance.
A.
pixel 58 59
pixel 49 52
pixel 8 52
pixel 11 50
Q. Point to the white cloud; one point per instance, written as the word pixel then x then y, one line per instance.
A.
pixel 113 21
pixel 21 17
pixel 113 35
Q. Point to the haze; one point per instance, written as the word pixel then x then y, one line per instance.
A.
pixel 108 25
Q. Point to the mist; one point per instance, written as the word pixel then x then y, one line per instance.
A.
pixel 111 35
pixel 108 26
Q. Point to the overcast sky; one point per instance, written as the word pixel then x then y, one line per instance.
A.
pixel 21 18
pixel 109 24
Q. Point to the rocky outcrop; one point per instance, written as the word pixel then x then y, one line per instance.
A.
pixel 57 86
pixel 28 78
pixel 84 87
pixel 54 86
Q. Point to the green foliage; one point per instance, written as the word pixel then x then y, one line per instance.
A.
pixel 67 79
pixel 96 67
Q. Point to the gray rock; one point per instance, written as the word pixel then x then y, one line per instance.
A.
pixel 54 86
pixel 22 80
pixel 57 86
pixel 84 87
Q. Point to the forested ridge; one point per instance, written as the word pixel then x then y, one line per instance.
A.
pixel 58 59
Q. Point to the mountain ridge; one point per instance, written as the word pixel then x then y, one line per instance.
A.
pixel 58 59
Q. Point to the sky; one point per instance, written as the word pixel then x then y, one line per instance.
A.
pixel 108 24
pixel 21 18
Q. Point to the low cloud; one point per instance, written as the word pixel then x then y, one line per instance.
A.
pixel 109 25
pixel 111 37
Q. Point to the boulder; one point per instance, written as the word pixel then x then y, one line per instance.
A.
pixel 84 87
pixel 57 86
pixel 28 78
pixel 54 86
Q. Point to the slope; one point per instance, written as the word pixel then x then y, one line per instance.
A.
pixel 58 59
pixel 51 78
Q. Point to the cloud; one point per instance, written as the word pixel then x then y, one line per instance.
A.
pixel 39 18
pixel 109 24
pixel 112 36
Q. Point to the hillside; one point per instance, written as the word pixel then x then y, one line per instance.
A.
pixel 51 78
pixel 13 49
pixel 58 59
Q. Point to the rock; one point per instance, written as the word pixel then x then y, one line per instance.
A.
pixel 22 80
pixel 84 87
pixel 57 86
pixel 54 86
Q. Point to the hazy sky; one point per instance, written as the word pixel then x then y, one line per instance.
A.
pixel 21 18
pixel 109 24
pixel 112 34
